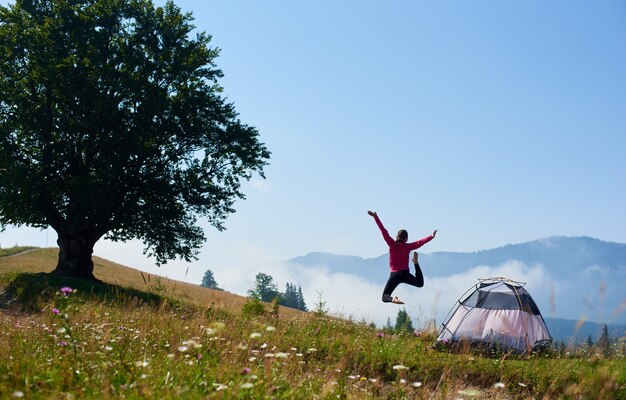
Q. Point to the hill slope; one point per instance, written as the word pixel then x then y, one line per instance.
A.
pixel 44 260
pixel 79 344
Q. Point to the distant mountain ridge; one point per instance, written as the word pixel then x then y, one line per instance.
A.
pixel 587 274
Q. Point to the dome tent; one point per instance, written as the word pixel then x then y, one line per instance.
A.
pixel 499 312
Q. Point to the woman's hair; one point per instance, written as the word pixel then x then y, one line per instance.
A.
pixel 402 236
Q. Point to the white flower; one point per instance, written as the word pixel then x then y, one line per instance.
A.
pixel 141 363
pixel 108 348
pixel 400 366
pixel 282 355
pixel 522 384
pixel 270 329
pixel 469 392
pixel 183 349
pixel 18 394
pixel 417 384
pixel 403 381
pixel 255 335
pixel 498 385
pixel 247 385
pixel 264 345
pixel 311 350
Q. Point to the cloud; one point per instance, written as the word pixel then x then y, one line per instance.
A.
pixel 260 184
pixel 351 296
pixel 344 295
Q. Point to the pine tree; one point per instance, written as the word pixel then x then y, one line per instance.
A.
pixel 604 343
pixel 388 327
pixel 589 342
pixel 403 322
pixel 301 303
pixel 293 297
pixel 209 281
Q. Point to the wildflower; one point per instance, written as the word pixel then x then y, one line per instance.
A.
pixel 399 367
pixel 245 371
pixel 311 350
pixel 282 355
pixel 522 384
pixel 270 329
pixel 381 335
pixel 182 349
pixel 373 380
pixel 63 343
pixel 141 363
pixel 108 348
pixel 219 386
pixel 417 384
pixel 247 385
pixel 55 311
pixel 18 394
pixel 199 357
pixel 255 335
pixel 498 385
pixel 403 381
pixel 61 330
pixel 192 343
pixel 66 290
pixel 469 392
pixel 417 333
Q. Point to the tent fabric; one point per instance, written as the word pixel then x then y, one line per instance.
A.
pixel 497 313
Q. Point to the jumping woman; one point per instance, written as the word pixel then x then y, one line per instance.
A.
pixel 399 251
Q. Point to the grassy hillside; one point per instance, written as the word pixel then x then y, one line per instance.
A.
pixel 140 336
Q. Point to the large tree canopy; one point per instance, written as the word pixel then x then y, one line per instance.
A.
pixel 112 124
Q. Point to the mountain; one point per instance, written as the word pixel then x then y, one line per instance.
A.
pixel 568 330
pixel 569 277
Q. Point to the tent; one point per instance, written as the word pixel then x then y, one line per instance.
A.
pixel 499 312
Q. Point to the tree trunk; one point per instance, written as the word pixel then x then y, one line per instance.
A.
pixel 75 257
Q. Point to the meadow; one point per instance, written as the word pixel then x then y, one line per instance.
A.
pixel 139 336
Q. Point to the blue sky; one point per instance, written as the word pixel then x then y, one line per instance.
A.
pixel 494 122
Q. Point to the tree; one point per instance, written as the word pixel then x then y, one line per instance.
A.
pixel 208 281
pixel 589 341
pixel 265 288
pixel 403 322
pixel 293 297
pixel 604 342
pixel 112 124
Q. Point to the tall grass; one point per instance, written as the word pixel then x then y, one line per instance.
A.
pixel 113 341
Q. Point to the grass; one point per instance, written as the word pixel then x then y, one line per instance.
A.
pixel 145 337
